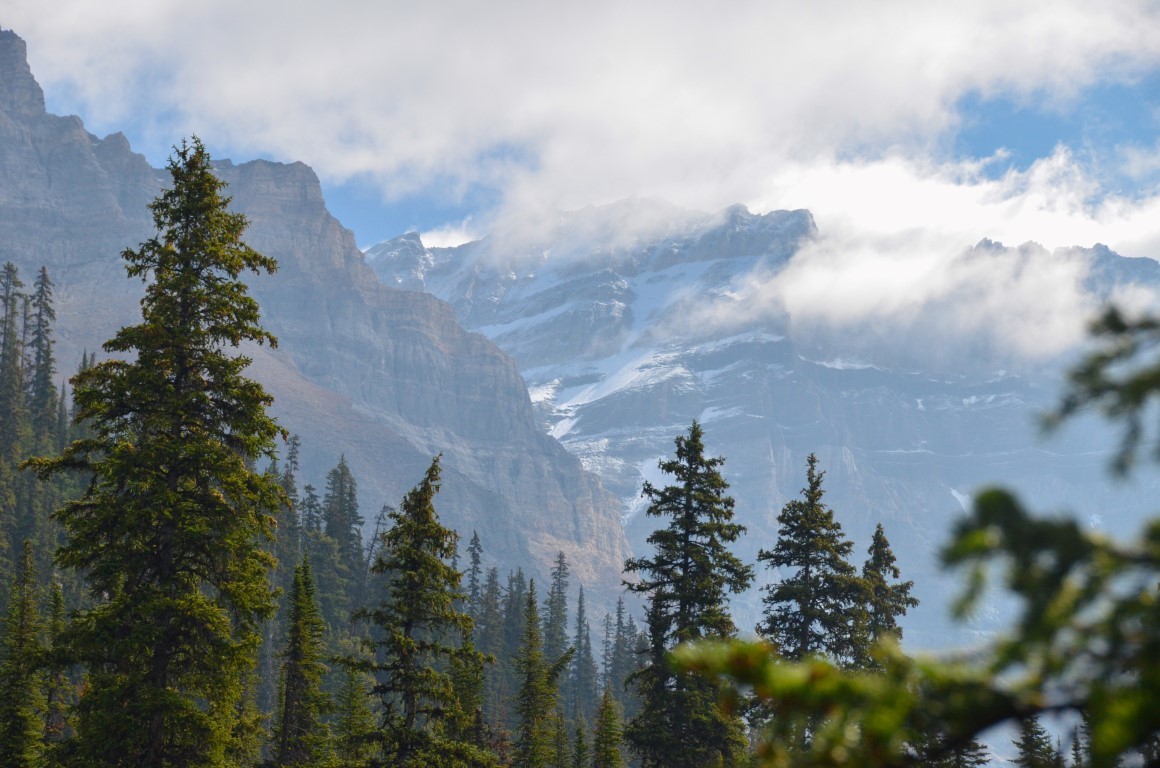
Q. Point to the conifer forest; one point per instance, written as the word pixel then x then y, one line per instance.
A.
pixel 177 595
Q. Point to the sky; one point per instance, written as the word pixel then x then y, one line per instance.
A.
pixel 911 130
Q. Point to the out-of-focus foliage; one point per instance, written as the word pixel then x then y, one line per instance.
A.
pixel 1087 638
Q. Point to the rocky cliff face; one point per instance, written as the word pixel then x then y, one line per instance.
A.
pixel 387 377
pixel 601 328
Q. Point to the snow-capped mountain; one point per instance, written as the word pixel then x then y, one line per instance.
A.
pixel 632 320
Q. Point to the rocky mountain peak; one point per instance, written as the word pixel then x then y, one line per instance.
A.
pixel 20 94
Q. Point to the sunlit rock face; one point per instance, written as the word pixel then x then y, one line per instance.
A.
pixel 631 320
pixel 388 377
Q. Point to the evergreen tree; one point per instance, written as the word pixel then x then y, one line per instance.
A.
pixel 536 700
pixel 606 743
pixel 938 753
pixel 1034 747
pixel 491 642
pixel 167 530
pixel 299 734
pixel 15 523
pixel 580 753
pixel 340 516
pixel 420 634
pixel 556 610
pixel 42 389
pixel 561 746
pixel 21 702
pixel 813 610
pixel 687 579
pixel 353 730
pixel 582 680
pixel 58 689
pixel 474 584
pixel 886 598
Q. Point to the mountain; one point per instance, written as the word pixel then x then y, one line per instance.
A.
pixel 387 377
pixel 631 320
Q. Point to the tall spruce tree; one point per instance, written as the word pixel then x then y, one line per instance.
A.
pixel 300 736
pixel 167 531
pixel 687 581
pixel 1034 746
pixel 537 696
pixel 420 633
pixel 556 610
pixel 811 611
pixel 582 680
pixel 606 749
pixel 886 597
pixel 21 701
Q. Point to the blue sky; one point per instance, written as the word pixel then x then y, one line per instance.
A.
pixel 1026 121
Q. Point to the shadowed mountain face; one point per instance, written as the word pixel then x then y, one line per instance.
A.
pixel 610 332
pixel 385 376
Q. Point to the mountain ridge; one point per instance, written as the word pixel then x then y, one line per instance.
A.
pixel 387 377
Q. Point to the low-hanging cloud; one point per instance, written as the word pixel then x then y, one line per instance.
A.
pixel 842 108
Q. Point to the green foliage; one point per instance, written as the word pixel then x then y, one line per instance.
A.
pixel 581 682
pixel 21 701
pixel 885 598
pixel 812 612
pixel 300 737
pixel 420 633
pixel 606 743
pixel 353 729
pixel 536 700
pixel 167 530
pixel 687 580
pixel 1087 639
pixel 1034 747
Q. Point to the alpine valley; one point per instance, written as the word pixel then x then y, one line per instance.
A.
pixel 630 320
pixel 553 369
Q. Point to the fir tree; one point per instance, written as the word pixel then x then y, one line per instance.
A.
pixel 353 730
pixel 340 516
pixel 536 699
pixel 687 581
pixel 167 530
pixel 886 598
pixel 299 734
pixel 491 642
pixel 1034 747
pixel 420 634
pixel 21 702
pixel 474 572
pixel 580 753
pixel 582 683
pixel 606 742
pixel 812 611
pixel 556 610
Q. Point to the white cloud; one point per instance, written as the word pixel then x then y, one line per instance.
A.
pixel 567 105
pixel 838 107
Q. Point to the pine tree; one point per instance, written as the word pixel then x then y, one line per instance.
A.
pixel 42 388
pixel 687 581
pixel 353 730
pixel 561 746
pixel 556 610
pixel 420 634
pixel 15 522
pixel 167 532
pixel 491 642
pixel 580 753
pixel 536 699
pixel 21 702
pixel 886 598
pixel 474 584
pixel 811 611
pixel 1034 747
pixel 606 742
pixel 340 516
pixel 58 693
pixel 299 735
pixel 582 683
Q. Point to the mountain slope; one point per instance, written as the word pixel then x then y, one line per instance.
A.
pixel 626 338
pixel 388 377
